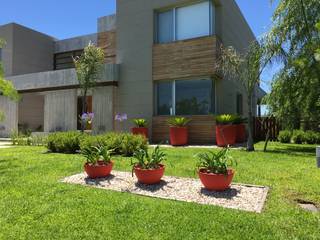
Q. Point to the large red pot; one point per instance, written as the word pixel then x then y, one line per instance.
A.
pixel 241 133
pixel 149 176
pixel 178 136
pixel 140 131
pixel 100 170
pixel 216 182
pixel 226 135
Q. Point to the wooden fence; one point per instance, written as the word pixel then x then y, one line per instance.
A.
pixel 264 124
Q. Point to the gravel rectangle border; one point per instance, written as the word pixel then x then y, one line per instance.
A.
pixel 244 197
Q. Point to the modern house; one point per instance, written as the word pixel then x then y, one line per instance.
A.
pixel 160 61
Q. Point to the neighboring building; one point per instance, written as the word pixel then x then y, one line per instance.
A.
pixel 160 61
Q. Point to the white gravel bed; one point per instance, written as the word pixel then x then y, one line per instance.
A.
pixel 239 196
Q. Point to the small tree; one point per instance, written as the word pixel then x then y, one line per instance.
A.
pixel 6 87
pixel 247 68
pixel 88 67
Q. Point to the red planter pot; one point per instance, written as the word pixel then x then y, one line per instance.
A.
pixel 216 182
pixel 100 170
pixel 149 176
pixel 241 133
pixel 178 136
pixel 226 135
pixel 140 131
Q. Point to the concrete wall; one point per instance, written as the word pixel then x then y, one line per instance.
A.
pixel 10 123
pixel 76 43
pixel 107 23
pixel 60 110
pixel 31 111
pixel 6 33
pixel 103 108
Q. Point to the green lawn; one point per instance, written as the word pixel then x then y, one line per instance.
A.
pixel 35 205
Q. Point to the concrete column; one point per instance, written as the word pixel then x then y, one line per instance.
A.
pixel 60 110
pixel 10 110
pixel 102 106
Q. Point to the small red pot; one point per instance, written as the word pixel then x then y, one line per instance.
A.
pixel 149 176
pixel 100 170
pixel 140 131
pixel 226 135
pixel 178 136
pixel 216 182
pixel 241 133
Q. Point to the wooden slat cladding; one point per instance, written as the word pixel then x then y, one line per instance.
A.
pixel 107 41
pixel 185 59
pixel 201 129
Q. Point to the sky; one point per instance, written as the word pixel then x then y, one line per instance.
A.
pixel 69 18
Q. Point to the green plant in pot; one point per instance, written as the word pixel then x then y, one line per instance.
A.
pixel 240 123
pixel 141 127
pixel 148 168
pixel 178 131
pixel 226 131
pixel 98 161
pixel 214 169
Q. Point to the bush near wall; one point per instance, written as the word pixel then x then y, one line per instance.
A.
pixel 299 137
pixel 121 143
pixel 65 142
pixel 21 139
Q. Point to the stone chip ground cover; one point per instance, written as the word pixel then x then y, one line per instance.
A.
pixel 239 196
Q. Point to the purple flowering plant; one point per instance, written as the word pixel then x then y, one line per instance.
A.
pixel 87 117
pixel 121 117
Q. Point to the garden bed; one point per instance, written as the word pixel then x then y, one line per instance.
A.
pixel 239 196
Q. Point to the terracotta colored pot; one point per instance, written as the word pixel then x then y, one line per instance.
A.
pixel 178 136
pixel 226 135
pixel 100 170
pixel 241 133
pixel 149 176
pixel 140 131
pixel 216 182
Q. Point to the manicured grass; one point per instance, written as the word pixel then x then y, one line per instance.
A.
pixel 35 205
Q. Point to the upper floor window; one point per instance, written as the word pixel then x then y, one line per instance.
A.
pixel 186 22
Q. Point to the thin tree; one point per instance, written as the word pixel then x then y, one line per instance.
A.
pixel 88 68
pixel 6 87
pixel 246 68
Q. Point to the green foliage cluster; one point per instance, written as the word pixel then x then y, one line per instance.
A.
pixel 215 162
pixel 140 122
pixel 178 122
pixel 224 119
pixel 65 142
pixel 94 154
pixel 21 139
pixel 120 143
pixel 299 137
pixel 145 160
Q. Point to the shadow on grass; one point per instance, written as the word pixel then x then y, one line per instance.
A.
pixel 293 150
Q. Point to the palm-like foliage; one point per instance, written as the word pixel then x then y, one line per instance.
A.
pixel 225 119
pixel 146 161
pixel 140 122
pixel 217 163
pixel 178 121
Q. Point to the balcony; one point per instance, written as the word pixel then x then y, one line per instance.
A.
pixel 61 79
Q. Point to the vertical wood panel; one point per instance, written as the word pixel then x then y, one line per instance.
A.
pixel 10 110
pixel 107 41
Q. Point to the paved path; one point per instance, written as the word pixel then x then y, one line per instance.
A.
pixel 5 144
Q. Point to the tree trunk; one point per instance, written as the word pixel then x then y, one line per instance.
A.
pixel 84 107
pixel 250 145
pixel 266 140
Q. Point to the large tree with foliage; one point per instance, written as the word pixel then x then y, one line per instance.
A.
pixel 246 68
pixel 295 40
pixel 6 87
pixel 88 68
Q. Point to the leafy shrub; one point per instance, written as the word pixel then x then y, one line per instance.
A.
pixel 285 136
pixel 225 119
pixel 311 137
pixel 298 136
pixel 21 139
pixel 239 119
pixel 65 142
pixel 217 163
pixel 178 121
pixel 147 161
pixel 121 143
pixel 140 122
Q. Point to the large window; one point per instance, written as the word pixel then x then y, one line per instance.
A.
pixel 185 97
pixel 185 22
